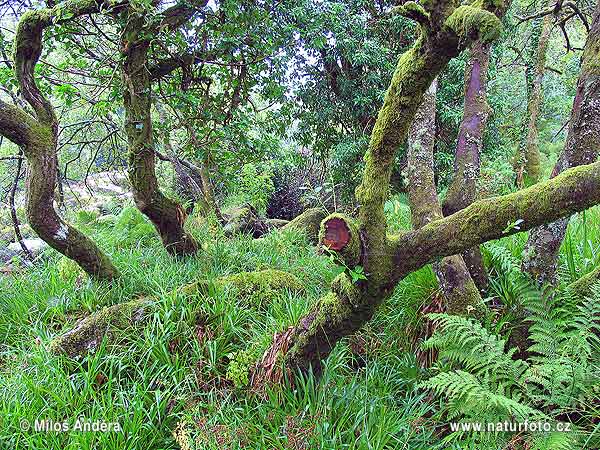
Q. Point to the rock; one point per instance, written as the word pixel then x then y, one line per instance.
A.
pixel 35 246
pixel 6 255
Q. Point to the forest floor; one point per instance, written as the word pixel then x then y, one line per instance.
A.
pixel 171 383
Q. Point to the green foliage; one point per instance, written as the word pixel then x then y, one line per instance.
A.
pixel 239 367
pixel 484 382
pixel 254 186
pixel 131 227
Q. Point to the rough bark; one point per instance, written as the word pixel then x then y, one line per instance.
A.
pixel 540 257
pixel 460 292
pixel 463 189
pixel 38 137
pixel 167 215
pixel 446 29
pixel 528 158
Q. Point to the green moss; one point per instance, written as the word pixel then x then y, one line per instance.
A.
pixel 343 286
pixel 471 21
pixel 583 286
pixel 89 332
pixel 252 288
pixel 309 222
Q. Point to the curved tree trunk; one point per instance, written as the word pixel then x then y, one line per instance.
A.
pixel 38 138
pixel 167 216
pixel 467 163
pixel 540 257
pixel 528 158
pixel 461 294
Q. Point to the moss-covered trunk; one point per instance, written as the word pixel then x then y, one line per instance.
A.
pixel 167 215
pixel 540 257
pixel 528 158
pixel 461 294
pixel 38 137
pixel 463 189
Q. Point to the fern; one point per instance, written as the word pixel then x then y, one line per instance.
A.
pixel 480 380
pixel 468 394
pixel 467 342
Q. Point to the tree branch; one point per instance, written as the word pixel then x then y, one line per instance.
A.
pixel 572 191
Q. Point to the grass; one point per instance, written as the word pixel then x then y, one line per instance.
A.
pixel 169 378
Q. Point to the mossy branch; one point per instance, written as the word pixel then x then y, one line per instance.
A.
pixel 572 191
pixel 414 11
pixel 16 125
pixel 473 22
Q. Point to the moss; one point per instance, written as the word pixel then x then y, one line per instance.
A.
pixel 239 366
pixel 471 21
pixel 351 253
pixel 583 286
pixel 253 288
pixel 342 285
pixel 309 222
pixel 89 332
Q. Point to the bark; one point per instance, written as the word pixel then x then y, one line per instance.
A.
pixel 445 31
pixel 167 216
pixel 461 294
pixel 540 257
pixel 204 175
pixel 467 164
pixel 528 159
pixel 37 135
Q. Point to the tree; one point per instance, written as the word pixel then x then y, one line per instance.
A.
pixel 467 156
pixel 139 28
pixel 540 257
pixel 528 158
pixel 459 289
pixel 37 134
pixel 446 29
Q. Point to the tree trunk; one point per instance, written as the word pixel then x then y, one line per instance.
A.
pixel 528 159
pixel 167 216
pixel 38 138
pixel 461 294
pixel 540 257
pixel 467 164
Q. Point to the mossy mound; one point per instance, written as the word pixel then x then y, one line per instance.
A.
pixel 244 219
pixel 251 287
pixel 308 222
pixel 88 333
